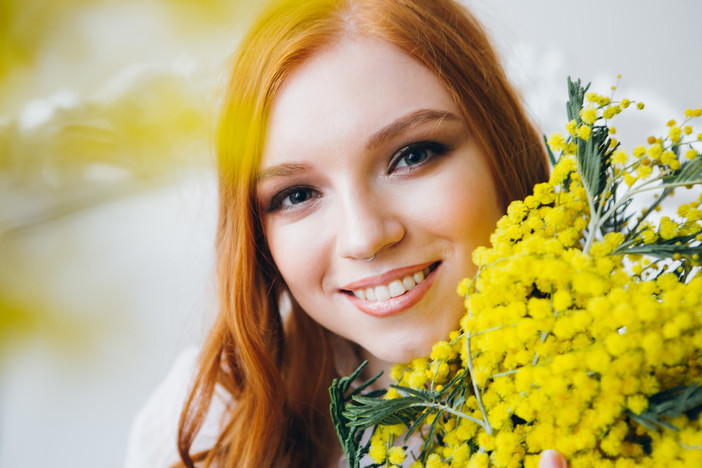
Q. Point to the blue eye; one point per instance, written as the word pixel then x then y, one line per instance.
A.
pixel 291 197
pixel 297 196
pixel 415 154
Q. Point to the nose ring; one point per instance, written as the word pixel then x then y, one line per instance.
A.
pixel 369 259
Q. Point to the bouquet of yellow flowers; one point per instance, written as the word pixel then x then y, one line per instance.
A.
pixel 583 324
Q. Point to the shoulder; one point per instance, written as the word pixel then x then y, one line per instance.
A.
pixel 153 435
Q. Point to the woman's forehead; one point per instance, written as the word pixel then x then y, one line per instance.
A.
pixel 345 93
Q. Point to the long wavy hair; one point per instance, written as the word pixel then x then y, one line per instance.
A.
pixel 277 370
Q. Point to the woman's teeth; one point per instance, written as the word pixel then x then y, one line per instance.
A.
pixel 395 288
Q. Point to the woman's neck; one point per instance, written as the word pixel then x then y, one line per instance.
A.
pixel 374 366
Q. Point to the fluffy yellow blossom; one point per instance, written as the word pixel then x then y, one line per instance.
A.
pixel 669 158
pixel 378 450
pixel 668 228
pixel 397 371
pixel 434 461
pixel 584 132
pixel 637 403
pixel 574 324
pixel 418 378
pixel 640 151
pixel 644 171
pixel 611 111
pixel 620 157
pixel 544 193
pixel 597 98
pixel 443 351
pixel 396 455
pixel 648 235
pixel 655 150
pixel 556 142
pixel 589 115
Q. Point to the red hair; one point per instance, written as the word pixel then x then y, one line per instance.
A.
pixel 277 372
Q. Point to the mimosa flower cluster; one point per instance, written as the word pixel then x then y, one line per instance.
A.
pixel 583 324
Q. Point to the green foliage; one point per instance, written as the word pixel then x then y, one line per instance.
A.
pixel 670 403
pixel 348 433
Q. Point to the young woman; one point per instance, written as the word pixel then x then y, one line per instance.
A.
pixel 366 147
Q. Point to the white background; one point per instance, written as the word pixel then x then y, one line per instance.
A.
pixel 141 266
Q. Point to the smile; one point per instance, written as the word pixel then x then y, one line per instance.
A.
pixel 402 290
pixel 394 288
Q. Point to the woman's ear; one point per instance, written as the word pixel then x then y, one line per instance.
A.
pixel 285 300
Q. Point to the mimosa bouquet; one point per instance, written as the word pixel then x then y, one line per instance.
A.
pixel 583 324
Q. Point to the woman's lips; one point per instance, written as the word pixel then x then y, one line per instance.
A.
pixel 392 305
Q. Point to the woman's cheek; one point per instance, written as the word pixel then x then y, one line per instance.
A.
pixel 299 252
pixel 465 210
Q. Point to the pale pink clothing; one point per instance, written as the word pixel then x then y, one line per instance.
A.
pixel 152 439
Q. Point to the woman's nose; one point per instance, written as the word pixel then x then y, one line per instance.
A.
pixel 366 226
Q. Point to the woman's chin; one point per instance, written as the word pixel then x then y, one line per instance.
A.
pixel 401 353
pixel 401 344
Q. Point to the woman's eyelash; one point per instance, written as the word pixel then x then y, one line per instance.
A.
pixel 302 193
pixel 411 155
pixel 417 153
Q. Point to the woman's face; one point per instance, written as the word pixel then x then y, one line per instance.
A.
pixel 367 155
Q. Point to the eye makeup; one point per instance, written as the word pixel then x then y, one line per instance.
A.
pixel 416 154
pixel 295 195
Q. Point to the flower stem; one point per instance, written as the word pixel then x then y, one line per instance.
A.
pixel 448 409
pixel 476 390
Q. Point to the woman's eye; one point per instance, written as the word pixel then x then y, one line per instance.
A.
pixel 298 196
pixel 413 157
pixel 416 154
pixel 291 197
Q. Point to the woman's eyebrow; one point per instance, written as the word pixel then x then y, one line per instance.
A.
pixel 384 134
pixel 410 120
pixel 281 170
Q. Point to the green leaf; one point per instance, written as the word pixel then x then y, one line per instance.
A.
pixel 670 403
pixel 551 157
pixel 416 424
pixel 690 173
pixel 660 250
pixel 576 98
pixel 592 156
pixel 429 440
pixel 593 162
pixel 349 435
pixel 425 395
pixel 365 412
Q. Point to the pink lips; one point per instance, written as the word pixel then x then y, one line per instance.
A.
pixel 394 305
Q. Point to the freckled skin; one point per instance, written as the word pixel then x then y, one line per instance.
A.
pixel 358 202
